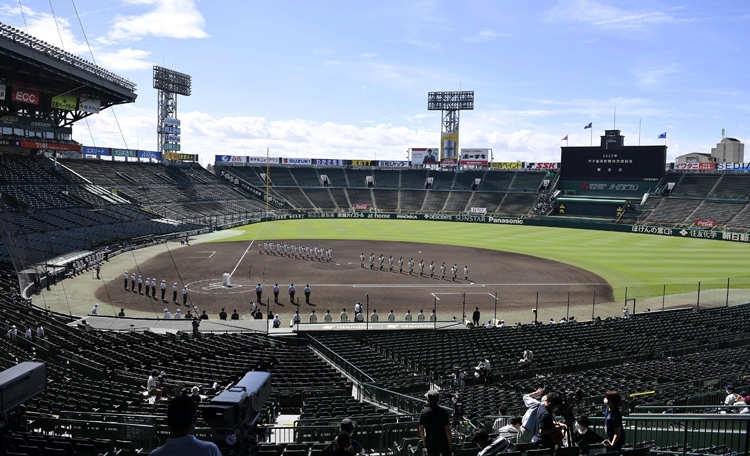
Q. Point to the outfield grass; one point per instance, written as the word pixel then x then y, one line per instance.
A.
pixel 643 263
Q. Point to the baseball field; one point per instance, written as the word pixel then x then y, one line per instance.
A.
pixel 512 269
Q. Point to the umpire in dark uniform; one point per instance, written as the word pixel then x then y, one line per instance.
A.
pixel 259 293
pixel 292 290
pixel 276 293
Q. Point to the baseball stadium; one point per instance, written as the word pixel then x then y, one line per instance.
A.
pixel 293 298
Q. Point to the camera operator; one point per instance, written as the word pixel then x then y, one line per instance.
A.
pixel 181 416
pixel 550 433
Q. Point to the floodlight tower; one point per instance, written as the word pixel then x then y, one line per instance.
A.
pixel 451 104
pixel 169 83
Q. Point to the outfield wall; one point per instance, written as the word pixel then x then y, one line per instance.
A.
pixel 558 222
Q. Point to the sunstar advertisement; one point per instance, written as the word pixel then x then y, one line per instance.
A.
pixel 448 148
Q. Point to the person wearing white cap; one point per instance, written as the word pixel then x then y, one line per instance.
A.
pixel 178 314
pixel 95 310
pixel 163 289
pixel 174 292
pixel 12 333
pixel 125 276
pixel 167 315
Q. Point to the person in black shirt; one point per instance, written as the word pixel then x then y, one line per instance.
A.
pixel 223 314
pixel 613 421
pixel 585 437
pixel 550 433
pixel 434 427
pixel 235 315
pixel 475 317
pixel 340 446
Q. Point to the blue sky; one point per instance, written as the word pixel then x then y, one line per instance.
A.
pixel 349 79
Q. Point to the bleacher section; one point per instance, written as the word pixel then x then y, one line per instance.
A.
pixel 399 190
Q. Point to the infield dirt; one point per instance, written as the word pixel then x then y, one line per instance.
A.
pixel 520 281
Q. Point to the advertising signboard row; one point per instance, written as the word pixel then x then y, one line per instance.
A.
pixel 112 152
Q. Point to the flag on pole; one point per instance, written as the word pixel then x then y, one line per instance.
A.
pixel 663 135
pixel 588 126
pixel 565 138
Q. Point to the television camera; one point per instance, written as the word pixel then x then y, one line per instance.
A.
pixel 233 415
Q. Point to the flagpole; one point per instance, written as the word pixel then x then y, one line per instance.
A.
pixel 639 131
pixel 566 139
pixel 614 123
pixel 591 141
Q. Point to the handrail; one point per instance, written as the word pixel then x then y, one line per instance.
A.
pixel 340 361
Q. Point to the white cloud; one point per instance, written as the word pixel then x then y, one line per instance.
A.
pixel 125 60
pixel 484 35
pixel 597 14
pixel 207 136
pixel 169 18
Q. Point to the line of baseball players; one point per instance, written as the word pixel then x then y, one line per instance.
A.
pixel 410 265
pixel 151 286
pixel 312 253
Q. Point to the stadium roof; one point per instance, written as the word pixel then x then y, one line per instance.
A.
pixel 29 61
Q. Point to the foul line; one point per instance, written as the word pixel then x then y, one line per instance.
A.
pixel 247 249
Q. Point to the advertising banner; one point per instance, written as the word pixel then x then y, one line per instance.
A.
pixel 183 157
pixel 541 166
pixel 328 162
pixel 172 147
pixel 2 89
pixel 149 154
pixel 729 166
pixel 230 159
pixel 172 122
pixel 478 210
pixel 96 150
pixel 475 157
pixel 361 163
pixel 361 207
pixel 694 166
pixel 88 104
pixel 46 145
pixel 172 138
pixel 264 160
pixel 425 156
pixel 706 223
pixel 506 165
pixel 448 148
pixel 394 164
pixel 25 93
pixel 297 161
pixel 124 153
pixel 65 102
pixel 170 130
